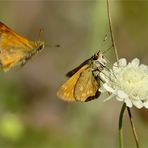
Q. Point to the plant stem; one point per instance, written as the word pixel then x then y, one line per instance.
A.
pixel 133 127
pixel 120 126
pixel 111 31
pixel 117 58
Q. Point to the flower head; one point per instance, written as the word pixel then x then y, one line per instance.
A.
pixel 128 82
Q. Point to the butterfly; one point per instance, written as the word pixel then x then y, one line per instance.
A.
pixel 15 49
pixel 84 81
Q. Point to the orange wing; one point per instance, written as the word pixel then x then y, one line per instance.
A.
pixel 66 91
pixel 8 37
pixel 87 86
pixel 14 49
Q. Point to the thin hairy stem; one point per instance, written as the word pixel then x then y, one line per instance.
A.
pixel 133 127
pixel 120 126
pixel 111 31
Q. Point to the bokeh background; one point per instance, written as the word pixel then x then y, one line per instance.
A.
pixel 31 115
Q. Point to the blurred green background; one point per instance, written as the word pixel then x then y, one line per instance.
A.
pixel 30 113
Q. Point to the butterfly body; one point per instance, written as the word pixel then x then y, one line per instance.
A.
pixel 83 84
pixel 15 49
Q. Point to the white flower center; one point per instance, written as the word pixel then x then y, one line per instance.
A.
pixel 133 81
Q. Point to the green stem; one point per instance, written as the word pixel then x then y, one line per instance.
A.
pixel 120 126
pixel 133 127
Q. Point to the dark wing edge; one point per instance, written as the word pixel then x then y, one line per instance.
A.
pixel 98 93
pixel 72 72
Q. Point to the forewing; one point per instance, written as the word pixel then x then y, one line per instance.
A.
pixel 13 48
pixel 10 38
pixel 66 91
pixel 87 86
pixel 72 72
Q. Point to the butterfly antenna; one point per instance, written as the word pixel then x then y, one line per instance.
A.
pixel 107 49
pixel 57 45
pixel 105 38
pixel 40 32
pixel 39 37
pixel 103 41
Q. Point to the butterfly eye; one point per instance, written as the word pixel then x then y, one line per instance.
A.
pixel 95 57
pixel 41 47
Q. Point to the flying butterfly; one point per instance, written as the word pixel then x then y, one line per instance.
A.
pixel 84 81
pixel 15 49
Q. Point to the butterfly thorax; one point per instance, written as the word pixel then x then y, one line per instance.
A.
pixel 36 47
pixel 98 61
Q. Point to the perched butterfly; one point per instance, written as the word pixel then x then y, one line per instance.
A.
pixel 15 49
pixel 84 82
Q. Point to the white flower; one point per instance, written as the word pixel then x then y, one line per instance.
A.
pixel 128 82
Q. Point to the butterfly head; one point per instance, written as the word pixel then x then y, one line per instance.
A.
pixel 100 59
pixel 40 45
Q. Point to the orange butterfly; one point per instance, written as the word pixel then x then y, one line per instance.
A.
pixel 14 49
pixel 84 82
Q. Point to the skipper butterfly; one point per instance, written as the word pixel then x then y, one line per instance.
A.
pixel 15 49
pixel 84 82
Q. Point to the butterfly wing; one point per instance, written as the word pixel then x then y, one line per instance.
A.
pixel 87 87
pixel 11 59
pixel 8 37
pixel 13 47
pixel 67 90
pixel 72 72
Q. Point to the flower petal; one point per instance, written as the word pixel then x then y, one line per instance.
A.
pixel 128 102
pixel 122 94
pixel 138 103
pixel 119 99
pixel 144 67
pixel 122 62
pixel 115 67
pixel 135 62
pixel 145 104
pixel 108 88
pixel 110 97
pixel 102 90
